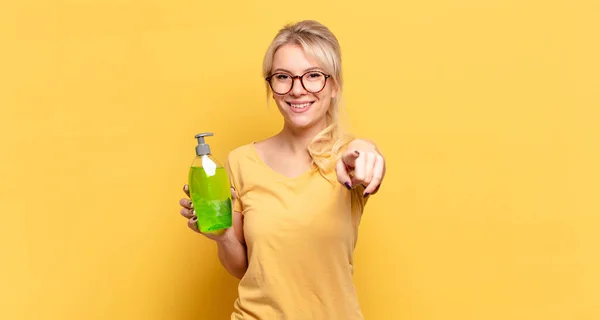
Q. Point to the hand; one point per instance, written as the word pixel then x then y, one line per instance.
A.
pixel 188 212
pixel 361 164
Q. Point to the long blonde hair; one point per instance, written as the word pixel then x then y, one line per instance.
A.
pixel 320 44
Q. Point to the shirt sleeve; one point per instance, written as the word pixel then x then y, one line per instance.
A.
pixel 232 169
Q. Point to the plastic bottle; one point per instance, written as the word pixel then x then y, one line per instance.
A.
pixel 209 190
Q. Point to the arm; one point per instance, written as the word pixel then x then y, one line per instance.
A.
pixel 232 248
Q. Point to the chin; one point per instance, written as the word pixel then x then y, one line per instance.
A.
pixel 302 124
pixel 295 124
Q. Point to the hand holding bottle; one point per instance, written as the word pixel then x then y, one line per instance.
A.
pixel 188 212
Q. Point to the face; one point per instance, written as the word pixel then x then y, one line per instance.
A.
pixel 300 108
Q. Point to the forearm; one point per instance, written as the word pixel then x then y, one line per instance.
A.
pixel 233 256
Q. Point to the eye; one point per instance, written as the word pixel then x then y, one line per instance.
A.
pixel 314 75
pixel 281 76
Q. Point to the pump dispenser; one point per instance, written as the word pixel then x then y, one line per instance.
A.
pixel 202 148
pixel 209 189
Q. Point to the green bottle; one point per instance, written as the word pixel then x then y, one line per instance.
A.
pixel 210 190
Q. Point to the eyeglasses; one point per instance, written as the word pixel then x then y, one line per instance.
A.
pixel 312 81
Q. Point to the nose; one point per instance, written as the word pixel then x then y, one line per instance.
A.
pixel 297 88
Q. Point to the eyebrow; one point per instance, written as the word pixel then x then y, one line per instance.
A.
pixel 306 70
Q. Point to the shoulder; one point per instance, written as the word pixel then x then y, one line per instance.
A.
pixel 249 151
pixel 235 162
pixel 239 153
pixel 239 158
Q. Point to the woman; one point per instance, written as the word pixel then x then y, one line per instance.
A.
pixel 299 195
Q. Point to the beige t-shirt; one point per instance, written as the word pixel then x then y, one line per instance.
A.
pixel 300 233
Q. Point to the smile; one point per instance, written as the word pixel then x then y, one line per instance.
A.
pixel 300 107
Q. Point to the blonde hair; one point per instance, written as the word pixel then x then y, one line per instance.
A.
pixel 320 44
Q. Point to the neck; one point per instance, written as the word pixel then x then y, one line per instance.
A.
pixel 297 140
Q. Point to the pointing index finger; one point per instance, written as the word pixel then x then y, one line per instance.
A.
pixel 349 157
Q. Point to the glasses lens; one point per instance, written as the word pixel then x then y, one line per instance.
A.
pixel 313 81
pixel 281 83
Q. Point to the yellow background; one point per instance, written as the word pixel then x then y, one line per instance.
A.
pixel 487 112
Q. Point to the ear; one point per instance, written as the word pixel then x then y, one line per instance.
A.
pixel 334 91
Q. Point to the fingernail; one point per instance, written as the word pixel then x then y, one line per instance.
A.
pixel 366 195
pixel 358 153
pixel 347 184
pixel 194 218
pixel 191 204
pixel 185 187
pixel 194 212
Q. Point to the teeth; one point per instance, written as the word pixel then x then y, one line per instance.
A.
pixel 300 106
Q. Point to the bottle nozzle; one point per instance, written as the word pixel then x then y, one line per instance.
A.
pixel 202 148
